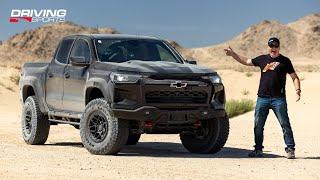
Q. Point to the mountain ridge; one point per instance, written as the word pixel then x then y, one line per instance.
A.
pixel 299 40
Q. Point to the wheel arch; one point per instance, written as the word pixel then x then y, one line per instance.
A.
pixel 27 91
pixel 93 93
pixel 31 89
pixel 98 87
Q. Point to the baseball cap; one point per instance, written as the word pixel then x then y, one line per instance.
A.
pixel 274 42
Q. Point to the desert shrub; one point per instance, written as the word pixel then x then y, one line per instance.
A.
pixel 15 79
pixel 307 68
pixel 248 74
pixel 237 107
pixel 9 88
pixel 245 92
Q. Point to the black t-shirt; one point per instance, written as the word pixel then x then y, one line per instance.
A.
pixel 273 75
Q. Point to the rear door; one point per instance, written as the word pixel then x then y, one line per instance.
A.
pixel 75 78
pixel 55 75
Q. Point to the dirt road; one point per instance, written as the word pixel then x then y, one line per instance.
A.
pixel 162 156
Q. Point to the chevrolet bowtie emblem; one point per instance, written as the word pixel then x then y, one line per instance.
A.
pixel 179 84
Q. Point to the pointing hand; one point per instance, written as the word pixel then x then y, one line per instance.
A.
pixel 229 51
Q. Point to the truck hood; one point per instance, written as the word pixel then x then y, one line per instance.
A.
pixel 154 67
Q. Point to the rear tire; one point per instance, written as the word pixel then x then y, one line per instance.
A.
pixel 102 133
pixel 133 139
pixel 35 125
pixel 211 139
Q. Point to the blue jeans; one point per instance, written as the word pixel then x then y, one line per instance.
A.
pixel 279 107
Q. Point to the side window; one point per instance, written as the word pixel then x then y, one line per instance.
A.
pixel 81 49
pixel 64 48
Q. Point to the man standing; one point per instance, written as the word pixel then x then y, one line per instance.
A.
pixel 271 93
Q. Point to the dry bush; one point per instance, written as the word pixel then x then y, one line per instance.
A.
pixel 237 107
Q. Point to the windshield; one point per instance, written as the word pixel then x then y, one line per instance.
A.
pixel 122 50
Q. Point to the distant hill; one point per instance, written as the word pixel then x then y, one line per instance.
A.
pixel 300 40
pixel 40 43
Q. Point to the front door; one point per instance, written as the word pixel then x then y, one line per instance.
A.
pixel 75 78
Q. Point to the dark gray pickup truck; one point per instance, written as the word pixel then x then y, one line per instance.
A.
pixel 116 87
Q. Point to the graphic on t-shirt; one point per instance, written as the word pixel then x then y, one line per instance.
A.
pixel 270 66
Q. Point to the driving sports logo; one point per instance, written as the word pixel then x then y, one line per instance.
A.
pixel 40 15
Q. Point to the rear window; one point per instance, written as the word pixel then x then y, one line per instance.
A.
pixel 62 54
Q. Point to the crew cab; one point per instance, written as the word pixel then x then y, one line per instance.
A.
pixel 116 87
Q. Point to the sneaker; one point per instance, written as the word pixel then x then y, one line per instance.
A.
pixel 290 154
pixel 256 153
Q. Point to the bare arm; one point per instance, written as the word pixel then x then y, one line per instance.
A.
pixel 296 82
pixel 241 59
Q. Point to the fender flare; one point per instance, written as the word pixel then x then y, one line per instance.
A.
pixel 38 90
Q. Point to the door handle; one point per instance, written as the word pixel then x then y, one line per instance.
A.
pixel 67 75
pixel 50 75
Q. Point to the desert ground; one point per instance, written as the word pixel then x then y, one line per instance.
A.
pixel 162 156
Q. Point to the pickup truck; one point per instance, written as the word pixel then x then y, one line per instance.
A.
pixel 116 87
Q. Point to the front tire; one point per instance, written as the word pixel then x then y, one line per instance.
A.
pixel 209 139
pixel 102 133
pixel 35 125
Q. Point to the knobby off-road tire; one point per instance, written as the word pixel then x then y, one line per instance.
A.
pixel 102 133
pixel 35 125
pixel 214 135
pixel 133 139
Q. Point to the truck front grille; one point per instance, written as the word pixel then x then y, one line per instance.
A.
pixel 176 97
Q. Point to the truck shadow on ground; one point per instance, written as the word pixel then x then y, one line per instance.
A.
pixel 176 150
pixel 73 144
pixel 171 150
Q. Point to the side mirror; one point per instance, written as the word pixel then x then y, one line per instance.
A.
pixel 79 61
pixel 191 61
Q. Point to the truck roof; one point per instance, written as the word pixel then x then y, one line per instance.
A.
pixel 120 36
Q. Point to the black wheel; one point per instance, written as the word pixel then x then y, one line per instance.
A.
pixel 35 125
pixel 101 132
pixel 133 139
pixel 210 138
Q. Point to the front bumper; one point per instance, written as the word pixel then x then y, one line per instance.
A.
pixel 154 99
pixel 150 113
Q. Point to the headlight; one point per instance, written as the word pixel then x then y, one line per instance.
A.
pixel 215 79
pixel 124 78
